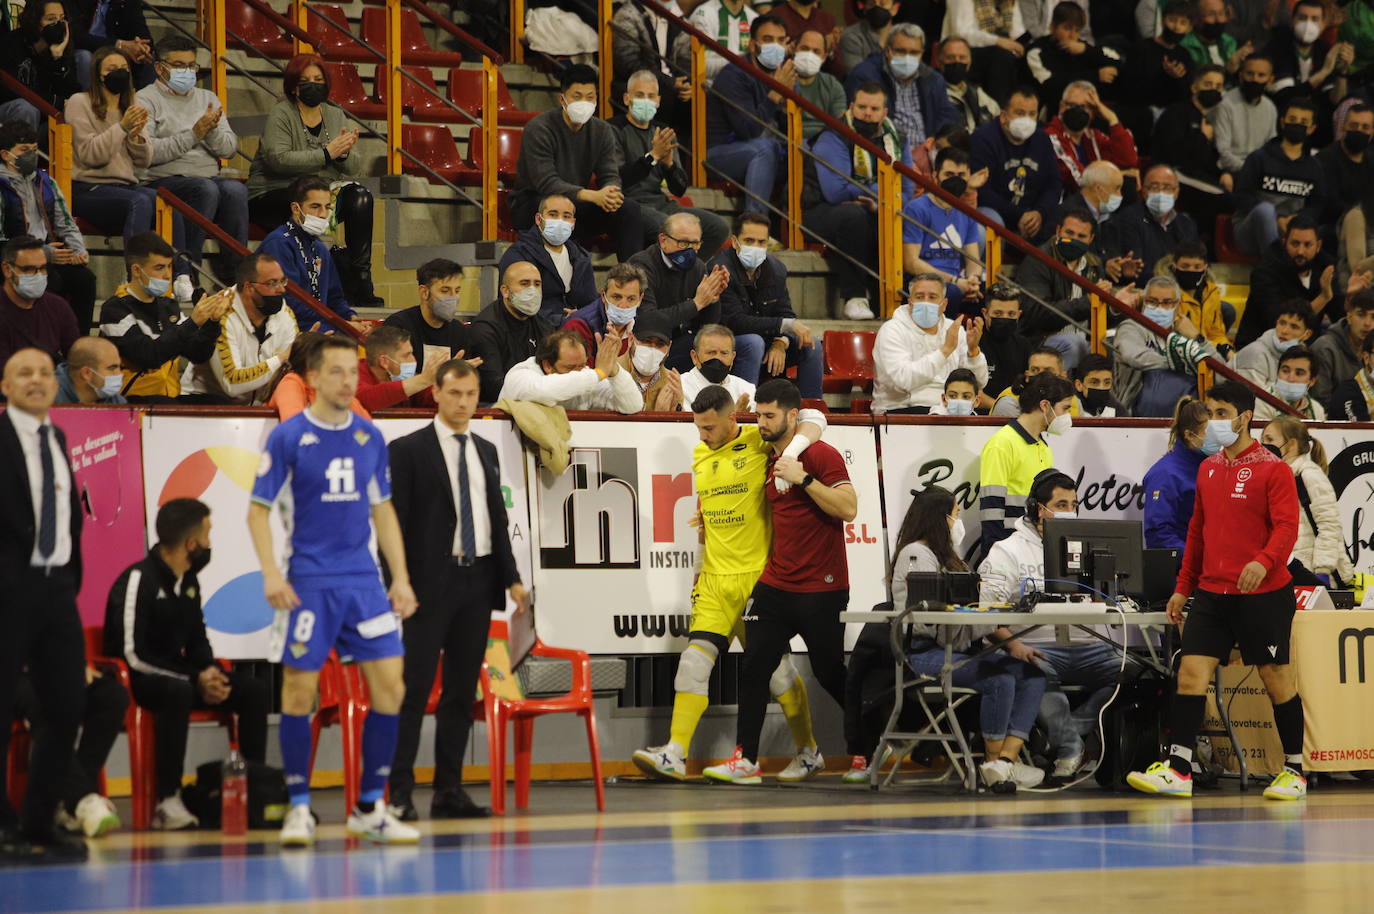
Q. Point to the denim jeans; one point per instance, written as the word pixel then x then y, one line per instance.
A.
pixel 752 163
pixel 1257 230
pixel 125 209
pixel 809 364
pixel 1095 666
pixel 222 199
pixel 1011 689
pixel 748 357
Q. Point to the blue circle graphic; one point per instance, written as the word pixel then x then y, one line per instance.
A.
pixel 239 607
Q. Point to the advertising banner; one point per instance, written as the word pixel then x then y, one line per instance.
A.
pixel 1331 653
pixel 215 460
pixel 104 448
pixel 616 550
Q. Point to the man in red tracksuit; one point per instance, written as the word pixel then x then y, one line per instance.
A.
pixel 1235 567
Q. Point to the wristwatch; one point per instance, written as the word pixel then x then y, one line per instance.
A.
pixel 807 480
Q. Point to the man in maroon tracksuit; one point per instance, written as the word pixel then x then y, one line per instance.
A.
pixel 1235 567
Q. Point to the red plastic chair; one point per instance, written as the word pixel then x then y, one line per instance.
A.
pixel 332 44
pixel 507 153
pixel 414 48
pixel 848 360
pixel 1226 249
pixel 465 91
pixel 255 30
pixel 421 102
pixel 346 88
pixel 433 145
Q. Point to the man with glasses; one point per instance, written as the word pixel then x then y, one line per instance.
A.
pixel 190 133
pixel 917 94
pixel 1079 139
pixel 1152 227
pixel 1166 366
pixel 31 316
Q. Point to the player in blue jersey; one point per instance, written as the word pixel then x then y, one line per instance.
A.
pixel 328 469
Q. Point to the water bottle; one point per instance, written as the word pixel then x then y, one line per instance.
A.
pixel 234 794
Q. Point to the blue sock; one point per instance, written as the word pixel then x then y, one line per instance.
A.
pixel 295 756
pixel 379 747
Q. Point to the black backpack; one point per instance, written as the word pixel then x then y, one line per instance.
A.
pixel 267 796
pixel 1132 734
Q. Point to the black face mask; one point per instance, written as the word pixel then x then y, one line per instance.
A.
pixel 1171 37
pixel 1293 133
pixel 1076 118
pixel 1001 328
pixel 1209 98
pixel 269 305
pixel 868 129
pixel 312 95
pixel 1071 249
pixel 1274 449
pixel 954 185
pixel 714 370
pixel 877 17
pixel 27 163
pixel 1250 90
pixel 199 558
pixel 1355 142
pixel 1096 399
pixel 1211 31
pixel 116 81
pixel 956 73
pixel 1190 279
pixel 53 33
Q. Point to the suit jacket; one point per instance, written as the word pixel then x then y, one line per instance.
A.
pixel 428 520
pixel 18 526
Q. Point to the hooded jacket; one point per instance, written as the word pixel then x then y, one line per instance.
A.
pixel 1321 551
pixel 1291 185
pixel 581 289
pixel 66 388
pixel 1337 360
pixel 1020 177
pixel 910 364
pixel 1170 486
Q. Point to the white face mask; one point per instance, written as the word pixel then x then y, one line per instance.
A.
pixel 1306 31
pixel 808 63
pixel 1021 128
pixel 315 225
pixel 1059 424
pixel 956 532
pixel 527 301
pixel 646 359
pixel 581 112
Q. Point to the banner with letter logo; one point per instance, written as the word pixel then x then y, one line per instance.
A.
pixel 1333 656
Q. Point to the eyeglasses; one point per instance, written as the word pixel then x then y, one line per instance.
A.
pixel 1161 188
pixel 278 284
pixel 179 66
pixel 30 271
pixel 1162 302
pixel 686 244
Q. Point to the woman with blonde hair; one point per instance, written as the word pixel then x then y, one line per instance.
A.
pixel 1320 550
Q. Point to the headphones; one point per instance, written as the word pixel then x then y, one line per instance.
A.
pixel 1043 486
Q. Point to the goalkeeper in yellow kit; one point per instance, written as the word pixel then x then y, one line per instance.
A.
pixel 730 470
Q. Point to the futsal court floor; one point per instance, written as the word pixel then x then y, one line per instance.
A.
pixel 819 847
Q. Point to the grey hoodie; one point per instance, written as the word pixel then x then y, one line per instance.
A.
pixel 1259 361
pixel 1337 359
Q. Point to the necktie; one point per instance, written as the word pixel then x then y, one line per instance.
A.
pixel 47 513
pixel 468 537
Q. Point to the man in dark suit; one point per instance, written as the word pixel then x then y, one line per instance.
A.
pixel 40 564
pixel 461 562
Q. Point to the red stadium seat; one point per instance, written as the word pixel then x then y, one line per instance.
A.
pixel 332 44
pixel 1225 243
pixel 254 30
pixel 346 89
pixel 507 153
pixel 848 360
pixel 433 145
pixel 414 48
pixel 465 91
pixel 422 102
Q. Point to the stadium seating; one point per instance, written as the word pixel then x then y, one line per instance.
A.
pixel 346 89
pixel 848 360
pixel 415 49
pixel 465 91
pixel 250 30
pixel 333 44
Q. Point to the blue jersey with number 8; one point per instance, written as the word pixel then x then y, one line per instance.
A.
pixel 327 478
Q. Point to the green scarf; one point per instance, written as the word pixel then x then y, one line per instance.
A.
pixel 865 168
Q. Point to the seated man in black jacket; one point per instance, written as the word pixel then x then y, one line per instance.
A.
pixel 649 150
pixel 1184 137
pixel 436 332
pixel 509 329
pixel 153 620
pixel 756 303
pixel 1295 267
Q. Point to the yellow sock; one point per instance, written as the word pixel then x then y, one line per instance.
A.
pixel 797 710
pixel 687 710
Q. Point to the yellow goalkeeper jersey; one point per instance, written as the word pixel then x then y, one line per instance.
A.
pixel 734 511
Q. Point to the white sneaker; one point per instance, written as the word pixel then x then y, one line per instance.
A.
pixel 183 289
pixel 666 761
pixel 805 765
pixel 997 771
pixel 381 827
pixel 1026 775
pixel 858 771
pixel 96 815
pixel 739 770
pixel 172 815
pixel 1068 766
pixel 298 828
pixel 858 309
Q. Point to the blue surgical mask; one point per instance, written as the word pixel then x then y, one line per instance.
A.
pixel 1159 203
pixel 771 56
pixel 1292 391
pixel 620 316
pixel 1162 316
pixel 157 287
pixel 643 110
pixel 111 386
pixel 683 259
pixel 1111 204
pixel 926 314
pixel 31 288
pixel 905 66
pixel 406 372
pixel 1285 345
pixel 556 231
pixel 181 81
pixel 958 407
pixel 751 257
pixel 1220 434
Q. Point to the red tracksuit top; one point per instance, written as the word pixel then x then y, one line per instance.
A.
pixel 1245 510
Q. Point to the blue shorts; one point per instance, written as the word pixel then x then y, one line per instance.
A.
pixel 354 617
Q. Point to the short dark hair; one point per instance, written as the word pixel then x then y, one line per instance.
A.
pixel 316 357
pixel 179 518
pixel 950 154
pixel 544 200
pixel 1091 362
pixel 963 374
pixel 459 368
pixel 439 268
pixel 576 75
pixel 1067 13
pixel 1209 68
pixel 1301 222
pixel 780 391
pixel 1178 8
pixel 1362 300
pixel 549 348
pixel 871 87
pixel 1078 214
pixel 248 267
pixel 1046 350
pixel 1234 393
pixel 1299 308
pixel 15 133
pixel 715 399
pixel 954 135
pixel 1302 103
pixel 1003 291
pixel 749 217
pixel 15 246
pixel 302 188
pixel 1192 247
pixel 1259 55
pixel 767 19
pixel 1044 386
pixel 1357 108
pixel 1025 90
pixel 175 44
pixel 625 272
pixel 1046 481
pixel 1301 352
pixel 140 247
pixel 384 340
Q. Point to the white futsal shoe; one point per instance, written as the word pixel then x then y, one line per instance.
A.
pixel 298 829
pixel 739 770
pixel 667 761
pixel 96 815
pixel 805 765
pixel 381 826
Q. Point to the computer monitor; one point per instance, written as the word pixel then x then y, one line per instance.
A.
pixel 1106 555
